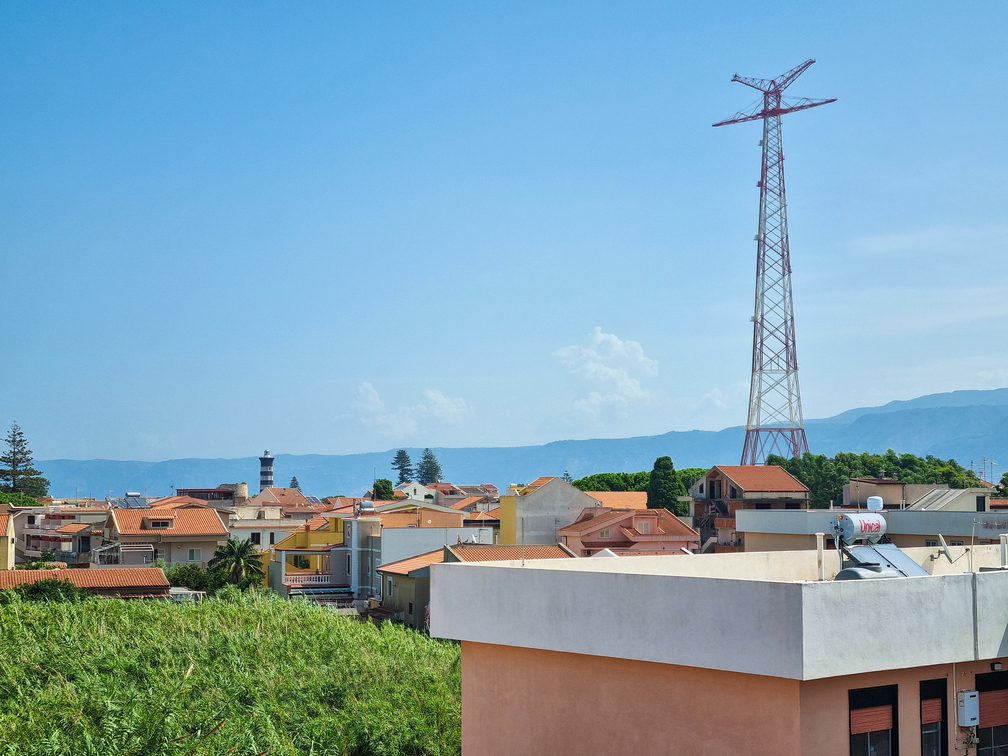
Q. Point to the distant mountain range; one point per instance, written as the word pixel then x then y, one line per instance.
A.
pixel 964 425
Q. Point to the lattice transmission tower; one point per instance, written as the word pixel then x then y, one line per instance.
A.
pixel 775 424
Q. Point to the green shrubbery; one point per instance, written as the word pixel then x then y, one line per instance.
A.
pixel 244 674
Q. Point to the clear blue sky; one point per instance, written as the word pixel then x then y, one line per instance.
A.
pixel 333 228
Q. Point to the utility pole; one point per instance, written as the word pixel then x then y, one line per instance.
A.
pixel 775 424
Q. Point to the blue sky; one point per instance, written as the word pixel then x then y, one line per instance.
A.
pixel 331 229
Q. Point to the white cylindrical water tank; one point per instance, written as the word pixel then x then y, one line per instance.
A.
pixel 857 525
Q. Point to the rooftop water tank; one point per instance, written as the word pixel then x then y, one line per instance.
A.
pixel 857 525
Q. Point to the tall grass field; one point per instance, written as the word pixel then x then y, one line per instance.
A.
pixel 253 675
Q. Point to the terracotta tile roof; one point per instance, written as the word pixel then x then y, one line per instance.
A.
pixel 587 521
pixel 317 522
pixel 185 522
pixel 405 566
pixel 762 477
pixel 4 520
pixel 462 504
pixel 540 482
pixel 483 515
pixel 478 552
pixel 172 502
pixel 100 578
pixel 621 499
pixel 668 524
pixel 495 513
pixel 73 527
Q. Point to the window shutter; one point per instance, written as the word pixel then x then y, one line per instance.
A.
pixel 871 720
pixel 931 710
pixel 993 708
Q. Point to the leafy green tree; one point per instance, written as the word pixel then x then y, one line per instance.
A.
pixel 664 488
pixel 618 481
pixel 403 465
pixel 1002 489
pixel 294 483
pixel 18 500
pixel 688 476
pixel 238 560
pixel 383 490
pixel 195 578
pixel 16 467
pixel 52 590
pixel 428 469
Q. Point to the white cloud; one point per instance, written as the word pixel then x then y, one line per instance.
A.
pixel 614 368
pixel 405 422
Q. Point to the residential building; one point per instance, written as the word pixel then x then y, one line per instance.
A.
pixel 71 532
pixel 226 495
pixel 417 491
pixel 406 587
pixel 717 496
pixel 534 513
pixel 628 531
pixel 410 513
pixel 929 496
pixel 789 660
pixel 185 534
pixel 119 582
pixel 293 503
pixel 7 540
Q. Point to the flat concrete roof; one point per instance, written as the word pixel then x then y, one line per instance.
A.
pixel 989 525
pixel 760 613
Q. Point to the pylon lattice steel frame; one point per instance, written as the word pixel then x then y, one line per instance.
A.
pixel 775 424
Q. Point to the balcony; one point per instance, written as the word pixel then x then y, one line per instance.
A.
pixel 299 578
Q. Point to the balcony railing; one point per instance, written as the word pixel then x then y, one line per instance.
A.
pixel 296 578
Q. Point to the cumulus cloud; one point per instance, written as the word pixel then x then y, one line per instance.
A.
pixel 404 422
pixel 614 368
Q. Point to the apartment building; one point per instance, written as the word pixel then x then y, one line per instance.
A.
pixel 188 533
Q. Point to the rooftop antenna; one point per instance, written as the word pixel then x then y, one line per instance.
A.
pixel 775 424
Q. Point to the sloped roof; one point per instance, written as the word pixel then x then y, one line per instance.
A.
pixel 668 523
pixel 105 578
pixel 540 482
pixel 479 552
pixel 74 527
pixel 463 503
pixel 405 566
pixel 185 522
pixel 483 515
pixel 621 499
pixel 761 477
pixel 4 520
pixel 173 502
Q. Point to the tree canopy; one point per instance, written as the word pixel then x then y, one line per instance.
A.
pixel 664 488
pixel 428 469
pixel 383 490
pixel 16 469
pixel 238 560
pixel 403 465
pixel 614 481
pixel 294 483
pixel 826 476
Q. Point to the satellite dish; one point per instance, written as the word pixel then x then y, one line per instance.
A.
pixel 945 548
pixel 874 503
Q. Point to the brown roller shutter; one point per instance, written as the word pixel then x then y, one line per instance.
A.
pixel 870 720
pixel 993 708
pixel 931 710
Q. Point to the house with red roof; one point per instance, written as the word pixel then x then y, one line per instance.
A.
pixel 629 531
pixel 714 499
pixel 121 582
pixel 188 533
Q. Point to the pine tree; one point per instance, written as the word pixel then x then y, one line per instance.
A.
pixel 664 487
pixel 404 465
pixel 294 483
pixel 428 469
pixel 17 470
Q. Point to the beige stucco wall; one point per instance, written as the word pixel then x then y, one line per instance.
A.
pixel 7 546
pixel 543 703
pixel 779 541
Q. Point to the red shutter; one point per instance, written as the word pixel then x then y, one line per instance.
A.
pixel 870 720
pixel 931 710
pixel 994 708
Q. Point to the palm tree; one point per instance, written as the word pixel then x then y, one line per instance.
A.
pixel 238 559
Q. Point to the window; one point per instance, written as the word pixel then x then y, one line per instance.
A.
pixel 272 537
pixel 992 732
pixel 734 493
pixel 367 566
pixel 604 533
pixel 930 542
pixel 159 554
pixel 701 488
pixel 643 526
pixel 873 726
pixel 348 565
pixel 160 524
pixel 390 587
pixel 256 539
pixel 981 504
pixel 955 543
pixel 934 728
pixel 411 608
pixel 195 555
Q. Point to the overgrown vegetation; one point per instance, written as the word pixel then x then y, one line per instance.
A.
pixel 250 675
pixel 826 476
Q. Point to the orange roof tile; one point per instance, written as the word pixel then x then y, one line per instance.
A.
pixel 196 521
pixel 317 522
pixel 621 499
pixel 668 523
pixel 405 566
pixel 101 578
pixel 495 513
pixel 540 482
pixel 4 519
pixel 478 552
pixel 483 515
pixel 463 503
pixel 173 502
pixel 73 527
pixel 762 477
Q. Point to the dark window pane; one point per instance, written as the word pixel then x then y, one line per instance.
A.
pixel 859 744
pixel 931 739
pixel 880 743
